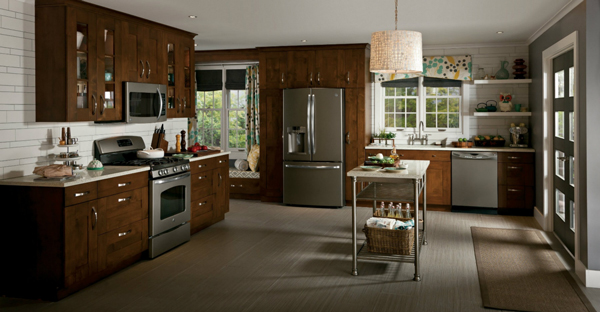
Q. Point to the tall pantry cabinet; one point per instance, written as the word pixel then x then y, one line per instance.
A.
pixel 330 66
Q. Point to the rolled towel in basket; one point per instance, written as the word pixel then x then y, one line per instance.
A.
pixel 54 171
pixel 241 164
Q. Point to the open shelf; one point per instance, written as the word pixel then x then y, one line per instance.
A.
pixel 502 114
pixel 501 81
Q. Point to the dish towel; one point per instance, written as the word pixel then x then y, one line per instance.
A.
pixel 54 171
pixel 241 164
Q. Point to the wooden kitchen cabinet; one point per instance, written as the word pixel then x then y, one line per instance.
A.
pixel 71 237
pixel 210 191
pixel 84 83
pixel 180 77
pixel 439 172
pixel 81 242
pixel 516 183
pixel 330 66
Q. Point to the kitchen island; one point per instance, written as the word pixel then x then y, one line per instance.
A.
pixel 404 186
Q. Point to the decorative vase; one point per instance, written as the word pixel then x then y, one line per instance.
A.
pixel 519 69
pixel 502 73
pixel 481 74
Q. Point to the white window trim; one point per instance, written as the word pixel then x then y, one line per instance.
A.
pixel 402 136
pixel 236 153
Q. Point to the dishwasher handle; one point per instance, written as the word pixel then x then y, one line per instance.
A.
pixel 474 156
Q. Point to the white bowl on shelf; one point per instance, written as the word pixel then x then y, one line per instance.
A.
pixel 79 39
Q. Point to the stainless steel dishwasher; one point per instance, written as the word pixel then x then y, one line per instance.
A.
pixel 475 179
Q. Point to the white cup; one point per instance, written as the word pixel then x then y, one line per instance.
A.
pixel 79 39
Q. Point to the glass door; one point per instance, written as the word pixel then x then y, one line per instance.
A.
pixel 109 91
pixel 172 103
pixel 188 103
pixel 563 142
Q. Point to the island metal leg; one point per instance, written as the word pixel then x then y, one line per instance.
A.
pixel 424 208
pixel 354 251
pixel 417 188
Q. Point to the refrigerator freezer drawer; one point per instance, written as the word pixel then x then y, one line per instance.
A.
pixel 313 184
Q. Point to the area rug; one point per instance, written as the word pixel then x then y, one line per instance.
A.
pixel 518 270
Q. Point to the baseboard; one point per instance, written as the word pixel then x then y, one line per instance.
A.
pixel 589 278
pixel 539 217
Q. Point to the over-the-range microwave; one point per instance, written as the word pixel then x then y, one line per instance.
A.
pixel 144 102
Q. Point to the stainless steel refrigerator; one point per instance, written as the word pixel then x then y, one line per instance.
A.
pixel 313 147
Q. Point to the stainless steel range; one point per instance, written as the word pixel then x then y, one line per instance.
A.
pixel 169 190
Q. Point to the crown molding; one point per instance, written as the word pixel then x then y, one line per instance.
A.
pixel 557 17
pixel 475 45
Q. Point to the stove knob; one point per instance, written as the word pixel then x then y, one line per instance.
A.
pixel 160 172
pixel 165 171
pixel 183 168
pixel 174 169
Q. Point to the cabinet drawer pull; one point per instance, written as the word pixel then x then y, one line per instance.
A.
pixel 203 165
pixel 311 78
pixel 204 177
pixel 124 233
pixel 220 161
pixel 232 185
pixel 348 77
pixel 103 103
pixel 371 154
pixel 143 69
pixel 240 185
pixel 202 204
pixel 514 157
pixel 124 199
pixel 319 77
pixel 81 194
pixel 123 184
pixel 514 168
pixel 401 155
pixel 148 75
pixel 514 190
pixel 433 156
pixel 282 78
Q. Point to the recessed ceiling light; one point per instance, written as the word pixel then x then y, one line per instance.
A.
pixel 192 16
pixel 303 40
pixel 499 32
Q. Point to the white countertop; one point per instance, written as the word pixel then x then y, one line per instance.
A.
pixel 416 169
pixel 431 147
pixel 87 176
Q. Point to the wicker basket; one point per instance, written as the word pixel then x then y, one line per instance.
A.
pixel 398 242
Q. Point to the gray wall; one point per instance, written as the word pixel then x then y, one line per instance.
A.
pixel 593 128
pixel 573 21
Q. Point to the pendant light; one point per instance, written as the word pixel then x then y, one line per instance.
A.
pixel 397 51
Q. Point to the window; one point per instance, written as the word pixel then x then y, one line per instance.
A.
pixel 442 107
pixel 408 102
pixel 221 106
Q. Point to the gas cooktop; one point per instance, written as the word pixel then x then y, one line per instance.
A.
pixel 151 162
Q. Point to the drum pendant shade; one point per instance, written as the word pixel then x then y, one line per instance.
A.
pixel 397 51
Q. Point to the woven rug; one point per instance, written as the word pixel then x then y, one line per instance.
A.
pixel 518 270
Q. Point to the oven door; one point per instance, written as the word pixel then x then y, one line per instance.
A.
pixel 144 102
pixel 169 203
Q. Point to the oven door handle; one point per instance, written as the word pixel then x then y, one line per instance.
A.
pixel 159 100
pixel 173 179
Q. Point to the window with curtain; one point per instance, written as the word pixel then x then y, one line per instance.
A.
pixel 221 106
pixel 408 102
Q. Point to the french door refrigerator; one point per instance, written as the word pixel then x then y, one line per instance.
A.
pixel 313 147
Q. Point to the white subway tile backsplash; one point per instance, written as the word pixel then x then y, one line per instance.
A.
pixel 7 135
pixel 4 4
pixel 9 60
pixel 7 13
pixel 13 79
pixel 20 6
pixel 20 116
pixel 17 24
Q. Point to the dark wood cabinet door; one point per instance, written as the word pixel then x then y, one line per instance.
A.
pixel 173 76
pixel 271 147
pixel 327 68
pixel 221 191
pixel 273 67
pixel 82 67
pixel 301 65
pixel 187 78
pixel 109 85
pixel 153 55
pixel 351 138
pixel 81 241
pixel 132 43
pixel 439 183
pixel 353 70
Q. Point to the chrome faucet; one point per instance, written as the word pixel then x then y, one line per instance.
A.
pixel 421 137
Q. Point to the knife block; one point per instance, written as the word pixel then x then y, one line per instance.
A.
pixel 158 141
pixel 163 144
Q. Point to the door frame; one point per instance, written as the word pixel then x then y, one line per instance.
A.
pixel 545 218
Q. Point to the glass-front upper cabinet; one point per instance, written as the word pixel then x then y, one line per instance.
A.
pixel 109 90
pixel 81 68
pixel 82 96
pixel 172 103
pixel 188 102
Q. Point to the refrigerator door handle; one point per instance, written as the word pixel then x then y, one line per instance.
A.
pixel 312 127
pixel 308 120
pixel 312 167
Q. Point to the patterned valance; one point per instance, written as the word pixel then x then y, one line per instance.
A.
pixel 445 67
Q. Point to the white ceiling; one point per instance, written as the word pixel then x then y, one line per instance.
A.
pixel 235 24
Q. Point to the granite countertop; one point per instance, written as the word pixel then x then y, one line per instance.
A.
pixel 87 176
pixel 416 169
pixel 431 147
